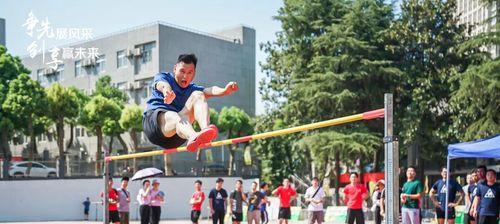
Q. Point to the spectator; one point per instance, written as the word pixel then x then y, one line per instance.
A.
pixel 315 197
pixel 441 188
pixel 236 199
pixel 144 199
pixel 196 202
pixel 157 198
pixel 218 202
pixel 264 217
pixel 487 200
pixel 114 217
pixel 410 198
pixel 376 198
pixel 470 194
pixel 286 193
pixel 354 196
pixel 255 200
pixel 86 208
pixel 124 201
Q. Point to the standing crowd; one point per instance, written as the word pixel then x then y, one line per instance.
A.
pixel 481 196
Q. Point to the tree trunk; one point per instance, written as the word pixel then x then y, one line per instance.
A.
pixel 98 164
pixel 71 135
pixel 60 145
pixel 231 160
pixel 7 154
pixel 32 145
pixel 376 162
pixel 125 149
pixel 110 145
pixel 361 170
pixel 135 143
pixel 337 177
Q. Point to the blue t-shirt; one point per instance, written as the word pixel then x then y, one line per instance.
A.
pixel 440 187
pixel 472 190
pixel 86 205
pixel 263 206
pixel 218 197
pixel 490 199
pixel 182 94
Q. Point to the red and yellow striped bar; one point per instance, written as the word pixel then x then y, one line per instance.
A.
pixel 337 121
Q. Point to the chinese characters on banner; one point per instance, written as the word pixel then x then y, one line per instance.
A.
pixel 40 30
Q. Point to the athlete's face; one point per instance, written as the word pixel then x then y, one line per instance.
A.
pixel 480 173
pixel 124 183
pixel 238 185
pixel 184 73
pixel 197 186
pixel 315 183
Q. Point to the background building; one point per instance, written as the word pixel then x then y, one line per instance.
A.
pixel 132 57
pixel 482 16
pixel 2 32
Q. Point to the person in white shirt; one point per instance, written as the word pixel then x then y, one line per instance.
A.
pixel 315 197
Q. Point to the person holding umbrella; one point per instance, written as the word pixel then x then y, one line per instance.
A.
pixel 157 198
pixel 144 199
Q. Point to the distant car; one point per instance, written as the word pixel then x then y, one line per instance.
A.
pixel 18 169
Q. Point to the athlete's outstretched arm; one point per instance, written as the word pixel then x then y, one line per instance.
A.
pixel 218 91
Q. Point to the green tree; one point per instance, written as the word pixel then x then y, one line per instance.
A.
pixel 82 99
pixel 476 102
pixel 94 116
pixel 235 123
pixel 63 103
pixel 27 102
pixel 329 61
pixel 131 121
pixel 103 87
pixel 425 43
pixel 10 68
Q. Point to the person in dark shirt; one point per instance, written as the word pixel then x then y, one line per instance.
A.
pixel 439 190
pixel 487 200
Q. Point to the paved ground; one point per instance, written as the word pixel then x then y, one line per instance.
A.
pixel 164 221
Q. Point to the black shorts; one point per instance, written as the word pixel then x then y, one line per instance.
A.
pixel 284 213
pixel 237 216
pixel 114 216
pixel 195 215
pixel 154 133
pixel 440 213
pixel 487 219
pixel 86 211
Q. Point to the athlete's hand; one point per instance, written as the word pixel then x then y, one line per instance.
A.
pixel 231 87
pixel 168 96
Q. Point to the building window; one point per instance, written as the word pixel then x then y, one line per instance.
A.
pixel 78 68
pixel 147 52
pixel 121 59
pixel 40 77
pixel 100 64
pixel 57 75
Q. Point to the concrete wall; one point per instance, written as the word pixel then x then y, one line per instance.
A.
pixel 61 200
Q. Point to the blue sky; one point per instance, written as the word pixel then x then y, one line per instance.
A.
pixel 109 16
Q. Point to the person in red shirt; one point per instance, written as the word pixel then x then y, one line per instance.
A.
pixel 286 193
pixel 196 202
pixel 354 195
pixel 114 216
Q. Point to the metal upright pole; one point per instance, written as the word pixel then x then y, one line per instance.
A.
pixel 391 154
pixel 106 190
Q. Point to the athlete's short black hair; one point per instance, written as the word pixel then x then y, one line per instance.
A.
pixel 188 59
